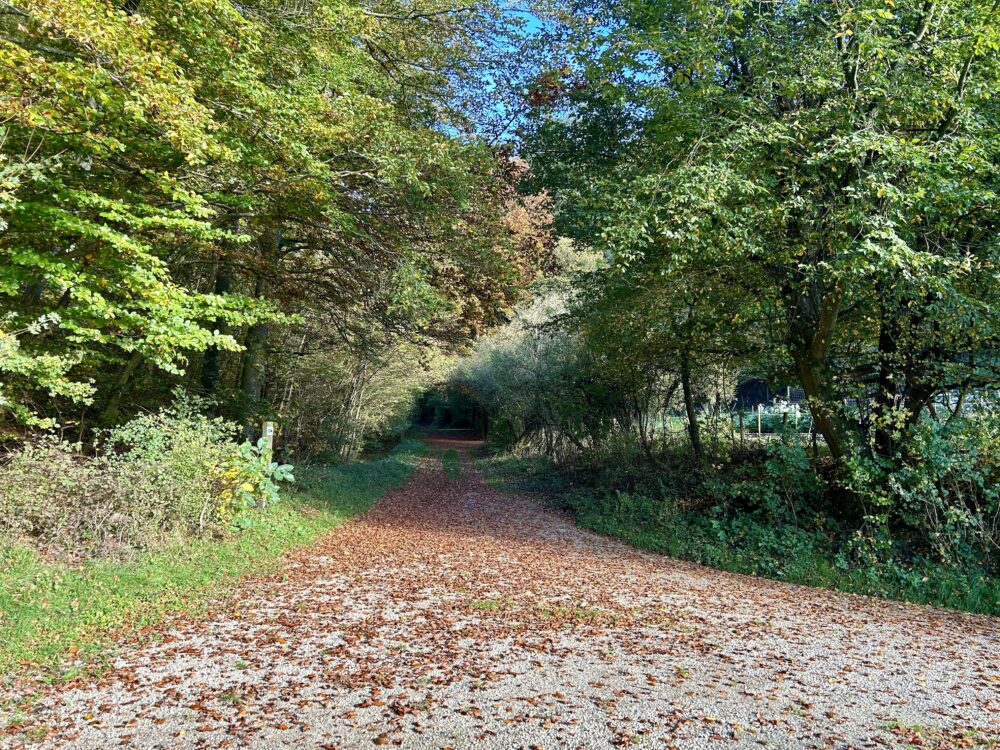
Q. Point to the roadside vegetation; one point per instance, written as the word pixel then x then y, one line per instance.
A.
pixel 799 194
pixel 451 463
pixel 721 517
pixel 60 611
pixel 610 431
pixel 214 217
pixel 241 242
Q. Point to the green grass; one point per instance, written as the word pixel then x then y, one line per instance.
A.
pixel 56 617
pixel 452 464
pixel 487 605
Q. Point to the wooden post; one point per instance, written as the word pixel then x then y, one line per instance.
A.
pixel 741 424
pixel 760 408
pixel 267 432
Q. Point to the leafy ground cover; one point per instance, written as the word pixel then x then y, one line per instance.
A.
pixel 812 550
pixel 58 618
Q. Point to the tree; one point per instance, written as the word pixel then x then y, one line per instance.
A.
pixel 841 157
pixel 185 178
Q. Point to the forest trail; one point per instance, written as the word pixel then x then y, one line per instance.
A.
pixel 453 615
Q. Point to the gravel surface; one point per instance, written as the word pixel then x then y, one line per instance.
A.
pixel 453 615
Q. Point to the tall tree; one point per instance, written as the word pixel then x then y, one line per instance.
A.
pixel 150 149
pixel 841 155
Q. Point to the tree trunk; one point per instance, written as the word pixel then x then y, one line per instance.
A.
pixel 694 431
pixel 812 312
pixel 252 374
pixel 110 414
pixel 821 406
pixel 211 364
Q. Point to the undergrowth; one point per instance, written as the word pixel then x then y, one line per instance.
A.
pixel 721 518
pixel 57 618
pixel 156 480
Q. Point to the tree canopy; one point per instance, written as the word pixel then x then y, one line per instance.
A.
pixel 178 178
pixel 824 171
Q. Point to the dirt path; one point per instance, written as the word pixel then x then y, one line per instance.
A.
pixel 452 615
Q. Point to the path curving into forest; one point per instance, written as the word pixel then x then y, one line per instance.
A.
pixel 453 615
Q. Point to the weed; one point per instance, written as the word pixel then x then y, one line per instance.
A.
pixel 487 604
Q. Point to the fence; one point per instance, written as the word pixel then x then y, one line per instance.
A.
pixel 774 419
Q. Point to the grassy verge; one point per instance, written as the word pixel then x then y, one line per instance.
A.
pixel 814 552
pixel 452 464
pixel 55 618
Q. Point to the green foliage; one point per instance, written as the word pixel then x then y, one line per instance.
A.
pixel 364 477
pixel 172 474
pixel 251 481
pixel 801 192
pixel 808 186
pixel 344 401
pixel 756 515
pixel 782 482
pixel 49 371
pixel 449 408
pixel 187 190
pixel 55 613
pixel 944 489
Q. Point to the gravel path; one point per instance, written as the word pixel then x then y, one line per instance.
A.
pixel 452 615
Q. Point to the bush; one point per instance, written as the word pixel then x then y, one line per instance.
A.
pixel 762 512
pixel 53 496
pixel 778 480
pixel 941 495
pixel 169 474
pixel 53 609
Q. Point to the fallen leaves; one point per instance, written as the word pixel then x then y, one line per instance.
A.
pixel 451 610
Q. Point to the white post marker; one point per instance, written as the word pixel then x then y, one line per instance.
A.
pixel 268 433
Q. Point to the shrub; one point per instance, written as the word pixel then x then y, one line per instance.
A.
pixel 762 512
pixel 941 495
pixel 52 608
pixel 179 459
pixel 173 473
pixel 54 496
pixel 779 480
pixel 249 480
